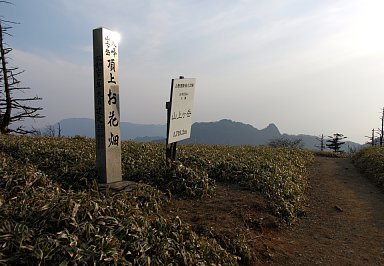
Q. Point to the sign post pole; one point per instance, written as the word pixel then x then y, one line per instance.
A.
pixel 179 114
pixel 170 148
pixel 107 105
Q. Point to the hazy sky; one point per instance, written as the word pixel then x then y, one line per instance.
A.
pixel 309 66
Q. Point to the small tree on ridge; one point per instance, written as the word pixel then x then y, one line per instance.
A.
pixel 334 142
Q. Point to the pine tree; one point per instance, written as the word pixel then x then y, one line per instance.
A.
pixel 334 142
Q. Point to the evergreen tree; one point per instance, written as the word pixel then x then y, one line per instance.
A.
pixel 334 142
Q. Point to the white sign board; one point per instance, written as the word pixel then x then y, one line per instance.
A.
pixel 180 120
pixel 107 105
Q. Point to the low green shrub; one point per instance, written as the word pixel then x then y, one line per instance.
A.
pixel 370 161
pixel 54 213
pixel 45 224
pixel 279 173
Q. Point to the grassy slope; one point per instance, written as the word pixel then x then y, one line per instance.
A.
pixel 53 212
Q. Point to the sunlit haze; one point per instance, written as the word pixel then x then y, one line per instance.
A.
pixel 308 66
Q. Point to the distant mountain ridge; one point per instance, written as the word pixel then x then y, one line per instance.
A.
pixel 228 132
pixel 223 132
pixel 129 131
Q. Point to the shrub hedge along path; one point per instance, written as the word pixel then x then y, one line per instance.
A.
pixel 344 223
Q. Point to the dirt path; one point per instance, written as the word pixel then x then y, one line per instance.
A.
pixel 344 223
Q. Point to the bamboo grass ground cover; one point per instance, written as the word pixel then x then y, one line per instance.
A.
pixel 52 211
pixel 370 161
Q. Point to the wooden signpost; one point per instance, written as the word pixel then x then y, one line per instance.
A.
pixel 107 105
pixel 179 113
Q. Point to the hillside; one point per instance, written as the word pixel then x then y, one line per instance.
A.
pixel 53 212
pixel 218 205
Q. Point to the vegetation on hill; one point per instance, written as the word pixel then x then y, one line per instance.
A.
pixel 371 162
pixel 52 210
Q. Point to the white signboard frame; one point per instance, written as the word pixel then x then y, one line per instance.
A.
pixel 180 117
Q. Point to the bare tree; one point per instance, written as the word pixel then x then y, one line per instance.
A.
pixel 50 131
pixel 36 132
pixel 371 138
pixel 322 143
pixel 13 108
pixel 381 130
